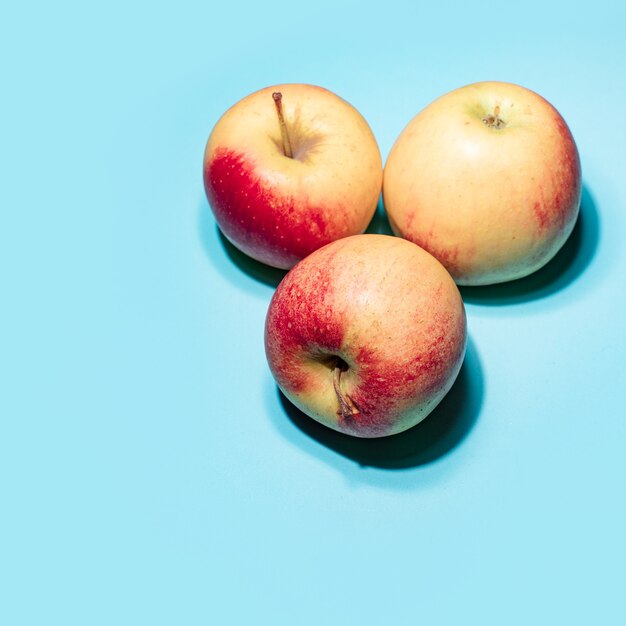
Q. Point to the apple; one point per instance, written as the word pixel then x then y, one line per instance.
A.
pixel 289 169
pixel 366 335
pixel 487 179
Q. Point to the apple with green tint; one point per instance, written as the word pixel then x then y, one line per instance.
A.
pixel 487 178
pixel 289 169
pixel 366 335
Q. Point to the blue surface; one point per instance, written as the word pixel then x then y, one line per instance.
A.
pixel 149 471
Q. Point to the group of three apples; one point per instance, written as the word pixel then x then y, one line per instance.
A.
pixel 367 333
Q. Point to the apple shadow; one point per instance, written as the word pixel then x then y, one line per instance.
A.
pixel 380 222
pixel 442 431
pixel 219 250
pixel 565 268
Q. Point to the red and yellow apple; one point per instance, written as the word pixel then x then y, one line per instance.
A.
pixel 487 179
pixel 366 335
pixel 289 169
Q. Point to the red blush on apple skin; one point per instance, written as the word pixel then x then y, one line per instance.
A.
pixel 447 255
pixel 304 320
pixel 386 391
pixel 565 175
pixel 265 224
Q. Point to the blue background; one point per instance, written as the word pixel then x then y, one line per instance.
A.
pixel 150 472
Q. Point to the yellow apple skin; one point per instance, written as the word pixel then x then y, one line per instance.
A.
pixel 276 208
pixel 486 178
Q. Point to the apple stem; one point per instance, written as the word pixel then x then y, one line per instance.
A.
pixel 347 408
pixel 278 101
pixel 494 120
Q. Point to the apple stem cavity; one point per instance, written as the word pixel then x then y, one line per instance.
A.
pixel 493 120
pixel 278 101
pixel 347 408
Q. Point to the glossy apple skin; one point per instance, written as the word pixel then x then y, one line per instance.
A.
pixel 491 204
pixel 278 209
pixel 390 311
